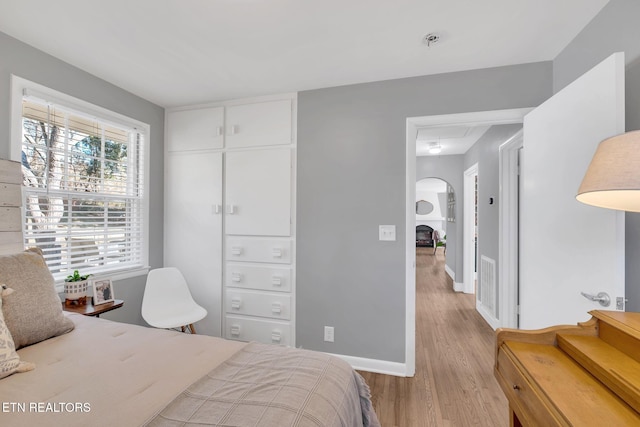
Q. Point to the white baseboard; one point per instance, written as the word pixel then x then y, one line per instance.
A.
pixel 374 365
pixel 450 272
pixel 457 287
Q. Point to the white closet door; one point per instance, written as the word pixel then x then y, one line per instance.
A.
pixel 193 229
pixel 259 124
pixel 567 247
pixel 199 129
pixel 258 192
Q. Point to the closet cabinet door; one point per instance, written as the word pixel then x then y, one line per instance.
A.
pixel 258 192
pixel 259 124
pixel 193 229
pixel 199 129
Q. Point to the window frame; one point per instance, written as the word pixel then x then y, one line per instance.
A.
pixel 21 87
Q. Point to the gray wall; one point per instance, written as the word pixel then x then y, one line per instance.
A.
pixel 614 29
pixel 450 169
pixel 351 178
pixel 485 153
pixel 24 61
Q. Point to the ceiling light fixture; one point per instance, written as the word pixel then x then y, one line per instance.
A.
pixel 435 148
pixel 430 39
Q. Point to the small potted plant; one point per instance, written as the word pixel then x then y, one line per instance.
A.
pixel 75 288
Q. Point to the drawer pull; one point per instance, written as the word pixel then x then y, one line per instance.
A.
pixel 276 308
pixel 276 281
pixel 236 277
pixel 276 336
pixel 235 330
pixel 231 209
pixel 516 387
pixel 276 252
pixel 235 303
pixel 236 250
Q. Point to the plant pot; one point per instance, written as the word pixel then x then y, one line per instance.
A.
pixel 75 290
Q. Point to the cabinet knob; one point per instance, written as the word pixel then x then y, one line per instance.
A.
pixel 235 330
pixel 276 336
pixel 235 303
pixel 236 277
pixel 516 387
pixel 231 209
pixel 276 252
pixel 236 250
pixel 233 129
pixel 276 281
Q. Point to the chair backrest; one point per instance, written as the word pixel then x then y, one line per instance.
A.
pixel 165 288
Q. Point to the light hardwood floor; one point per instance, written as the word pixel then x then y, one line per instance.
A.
pixel 454 383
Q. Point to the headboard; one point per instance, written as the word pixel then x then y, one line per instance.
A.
pixel 10 207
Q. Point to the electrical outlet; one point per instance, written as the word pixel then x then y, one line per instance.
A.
pixel 328 333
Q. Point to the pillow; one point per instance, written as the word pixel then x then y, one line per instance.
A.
pixel 9 359
pixel 33 313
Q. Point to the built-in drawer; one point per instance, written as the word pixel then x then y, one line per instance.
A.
pixel 268 278
pixel 255 303
pixel 521 395
pixel 248 249
pixel 264 331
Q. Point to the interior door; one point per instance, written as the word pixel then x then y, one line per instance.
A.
pixel 567 247
pixel 193 229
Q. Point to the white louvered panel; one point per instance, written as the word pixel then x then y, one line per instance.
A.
pixel 488 288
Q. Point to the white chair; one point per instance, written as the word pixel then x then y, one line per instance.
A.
pixel 167 302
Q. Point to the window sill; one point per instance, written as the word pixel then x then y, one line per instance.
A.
pixel 113 275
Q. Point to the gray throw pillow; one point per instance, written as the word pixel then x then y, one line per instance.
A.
pixel 33 312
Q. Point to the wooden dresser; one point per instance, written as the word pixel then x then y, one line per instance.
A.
pixel 584 375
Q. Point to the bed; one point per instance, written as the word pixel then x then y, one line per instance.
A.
pixel 101 373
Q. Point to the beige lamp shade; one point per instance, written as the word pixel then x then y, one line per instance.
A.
pixel 613 177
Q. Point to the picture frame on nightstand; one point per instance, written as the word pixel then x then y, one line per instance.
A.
pixel 102 291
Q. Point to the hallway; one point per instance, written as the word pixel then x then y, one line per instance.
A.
pixel 454 383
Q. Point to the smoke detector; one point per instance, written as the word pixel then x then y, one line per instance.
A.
pixel 430 39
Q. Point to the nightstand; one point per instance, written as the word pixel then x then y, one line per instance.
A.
pixel 91 310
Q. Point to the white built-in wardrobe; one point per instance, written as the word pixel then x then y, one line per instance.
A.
pixel 229 219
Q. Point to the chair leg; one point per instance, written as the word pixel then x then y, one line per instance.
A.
pixel 183 328
pixel 192 328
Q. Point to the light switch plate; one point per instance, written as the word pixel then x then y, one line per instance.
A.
pixel 387 232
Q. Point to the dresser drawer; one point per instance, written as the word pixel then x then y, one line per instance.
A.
pixel 264 331
pixel 522 397
pixel 247 249
pixel 254 303
pixel 265 278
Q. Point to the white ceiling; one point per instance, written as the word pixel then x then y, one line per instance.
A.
pixel 178 52
pixel 452 139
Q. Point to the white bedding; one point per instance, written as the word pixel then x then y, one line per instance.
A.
pixel 106 374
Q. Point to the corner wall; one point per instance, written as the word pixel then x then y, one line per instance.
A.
pixel 27 62
pixel 351 178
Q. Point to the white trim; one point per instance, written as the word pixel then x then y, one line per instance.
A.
pixel 374 365
pixel 469 246
pixel 493 117
pixel 410 252
pixel 450 272
pixel 508 231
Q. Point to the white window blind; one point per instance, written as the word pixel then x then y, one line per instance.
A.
pixel 84 189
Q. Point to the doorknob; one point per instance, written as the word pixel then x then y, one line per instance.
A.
pixel 602 297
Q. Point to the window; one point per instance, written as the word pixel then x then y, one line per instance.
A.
pixel 84 187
